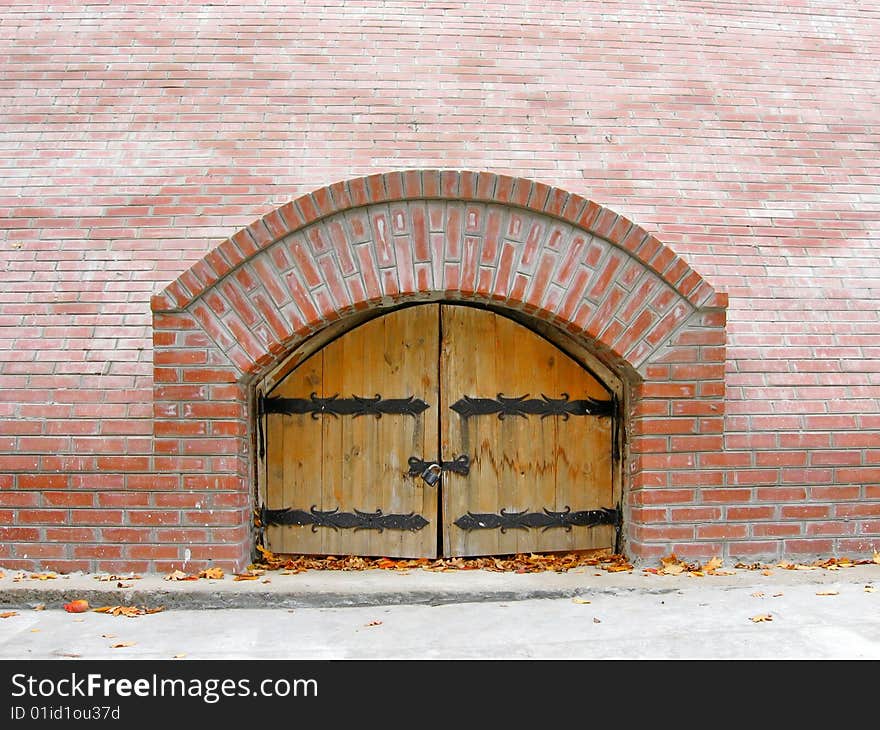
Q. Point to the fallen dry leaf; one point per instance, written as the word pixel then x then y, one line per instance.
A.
pixel 80 605
pixel 761 617
pixel 245 576
pixel 180 575
pixel 122 644
pixel 596 621
pixel 776 595
pixel 108 636
pixel 766 572
pixel 713 565
pixel 40 607
pixel 757 594
pixel 374 623
pixel 579 600
pixel 128 611
pixel 827 593
pixel 212 573
pixel 8 614
pixel 869 589
pixel 35 631
pixel 518 563
pixel 178 656
pixel 877 557
pixel 43 576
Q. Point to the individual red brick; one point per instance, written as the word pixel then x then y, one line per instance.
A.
pixel 722 532
pixel 750 513
pixel 96 517
pixel 68 499
pixel 726 495
pixel 695 514
pixel 777 529
pixel 153 517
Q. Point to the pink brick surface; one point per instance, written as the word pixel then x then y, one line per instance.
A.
pixel 730 147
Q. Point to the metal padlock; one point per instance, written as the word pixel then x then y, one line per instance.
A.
pixel 431 474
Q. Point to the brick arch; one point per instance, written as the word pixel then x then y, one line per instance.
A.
pixel 384 240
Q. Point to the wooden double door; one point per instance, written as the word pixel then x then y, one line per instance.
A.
pixel 438 429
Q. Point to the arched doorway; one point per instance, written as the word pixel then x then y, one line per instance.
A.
pixel 585 278
pixel 439 429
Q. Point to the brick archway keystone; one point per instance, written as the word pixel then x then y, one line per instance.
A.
pixel 387 239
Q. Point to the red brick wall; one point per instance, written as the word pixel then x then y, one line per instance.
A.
pixel 136 137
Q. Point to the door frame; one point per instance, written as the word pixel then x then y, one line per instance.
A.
pixel 567 343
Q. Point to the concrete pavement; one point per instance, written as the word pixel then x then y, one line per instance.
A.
pixel 584 613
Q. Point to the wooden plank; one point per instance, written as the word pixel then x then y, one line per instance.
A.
pixel 583 462
pixel 526 441
pixel 467 363
pixel 410 352
pixel 339 493
pixel 293 452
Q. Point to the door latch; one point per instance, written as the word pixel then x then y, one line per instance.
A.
pixel 431 471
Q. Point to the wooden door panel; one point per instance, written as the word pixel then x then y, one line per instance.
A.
pixel 520 463
pixel 343 473
pixel 358 463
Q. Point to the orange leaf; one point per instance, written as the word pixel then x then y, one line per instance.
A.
pixel 122 644
pixel 80 605
pixel 212 573
pixel 245 576
pixel 8 614
pixel 762 617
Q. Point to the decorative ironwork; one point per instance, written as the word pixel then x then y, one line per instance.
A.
pixel 356 520
pixel 460 465
pixel 547 519
pixel 525 406
pixel 336 406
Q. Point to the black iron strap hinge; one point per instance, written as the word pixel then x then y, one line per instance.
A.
pixel 546 519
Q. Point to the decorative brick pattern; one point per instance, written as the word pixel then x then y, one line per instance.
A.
pixel 638 307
